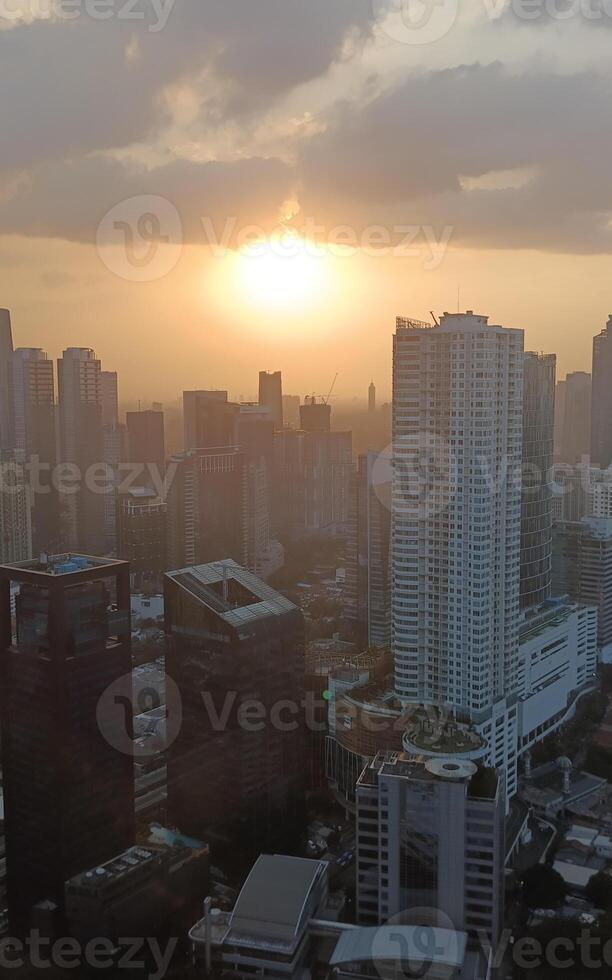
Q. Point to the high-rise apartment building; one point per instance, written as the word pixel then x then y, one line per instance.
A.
pixel 430 835
pixel 35 437
pixel 582 567
pixel 7 431
pixel 66 752
pixel 141 533
pixel 234 643
pixel 573 440
pixel 15 511
pixel 209 419
pixel 367 594
pixel 82 445
pixel 114 442
pixel 109 397
pixel 457 453
pixel 601 398
pixel 313 471
pixel 207 507
pixel 271 395
pixel 537 501
pixel 291 411
pixel 315 416
pixel 146 445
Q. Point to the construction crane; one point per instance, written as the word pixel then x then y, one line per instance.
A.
pixel 333 385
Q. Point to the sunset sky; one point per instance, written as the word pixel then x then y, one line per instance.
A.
pixel 386 167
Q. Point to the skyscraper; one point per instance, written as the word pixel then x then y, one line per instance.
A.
pixel 35 436
pixel 537 502
pixel 315 416
pixel 7 433
pixel 575 435
pixel 15 512
pixel 457 444
pixel 68 792
pixel 209 419
pixel 207 507
pixel 271 395
pixel 582 568
pixel 146 445
pixel 601 398
pixel 109 397
pixel 82 445
pixel 234 642
pixel 372 398
pixel 367 595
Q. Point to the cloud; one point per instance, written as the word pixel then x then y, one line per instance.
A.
pixel 75 86
pixel 69 200
pixel 411 155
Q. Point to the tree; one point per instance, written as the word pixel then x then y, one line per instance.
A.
pixel 599 890
pixel 543 887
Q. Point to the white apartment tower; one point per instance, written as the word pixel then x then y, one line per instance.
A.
pixel 456 504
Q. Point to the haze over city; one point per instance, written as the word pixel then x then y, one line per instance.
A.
pixel 306 489
pixel 488 135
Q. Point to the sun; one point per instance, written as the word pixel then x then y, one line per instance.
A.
pixel 282 273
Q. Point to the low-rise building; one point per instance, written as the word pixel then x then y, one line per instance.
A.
pixel 131 894
pixel 430 834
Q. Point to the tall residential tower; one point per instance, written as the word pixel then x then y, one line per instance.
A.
pixel 456 505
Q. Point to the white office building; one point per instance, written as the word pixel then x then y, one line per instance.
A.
pixel 430 836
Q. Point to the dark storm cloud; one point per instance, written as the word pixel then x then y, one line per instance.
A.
pixel 401 158
pixel 68 86
pixel 69 200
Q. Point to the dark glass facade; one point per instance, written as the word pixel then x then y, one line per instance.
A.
pixel 537 499
pixel 68 792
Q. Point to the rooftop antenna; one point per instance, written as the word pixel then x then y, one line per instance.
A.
pixel 458 295
pixel 433 317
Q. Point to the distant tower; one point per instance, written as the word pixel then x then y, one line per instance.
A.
pixel 34 417
pixel 7 434
pixel 372 398
pixel 109 397
pixel 81 443
pixel 601 398
pixel 575 434
pixel 537 500
pixel 271 395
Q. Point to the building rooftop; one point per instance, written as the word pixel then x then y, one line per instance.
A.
pixel 272 911
pixel 379 944
pixel 274 896
pixel 66 564
pixel 437 733
pixel 234 594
